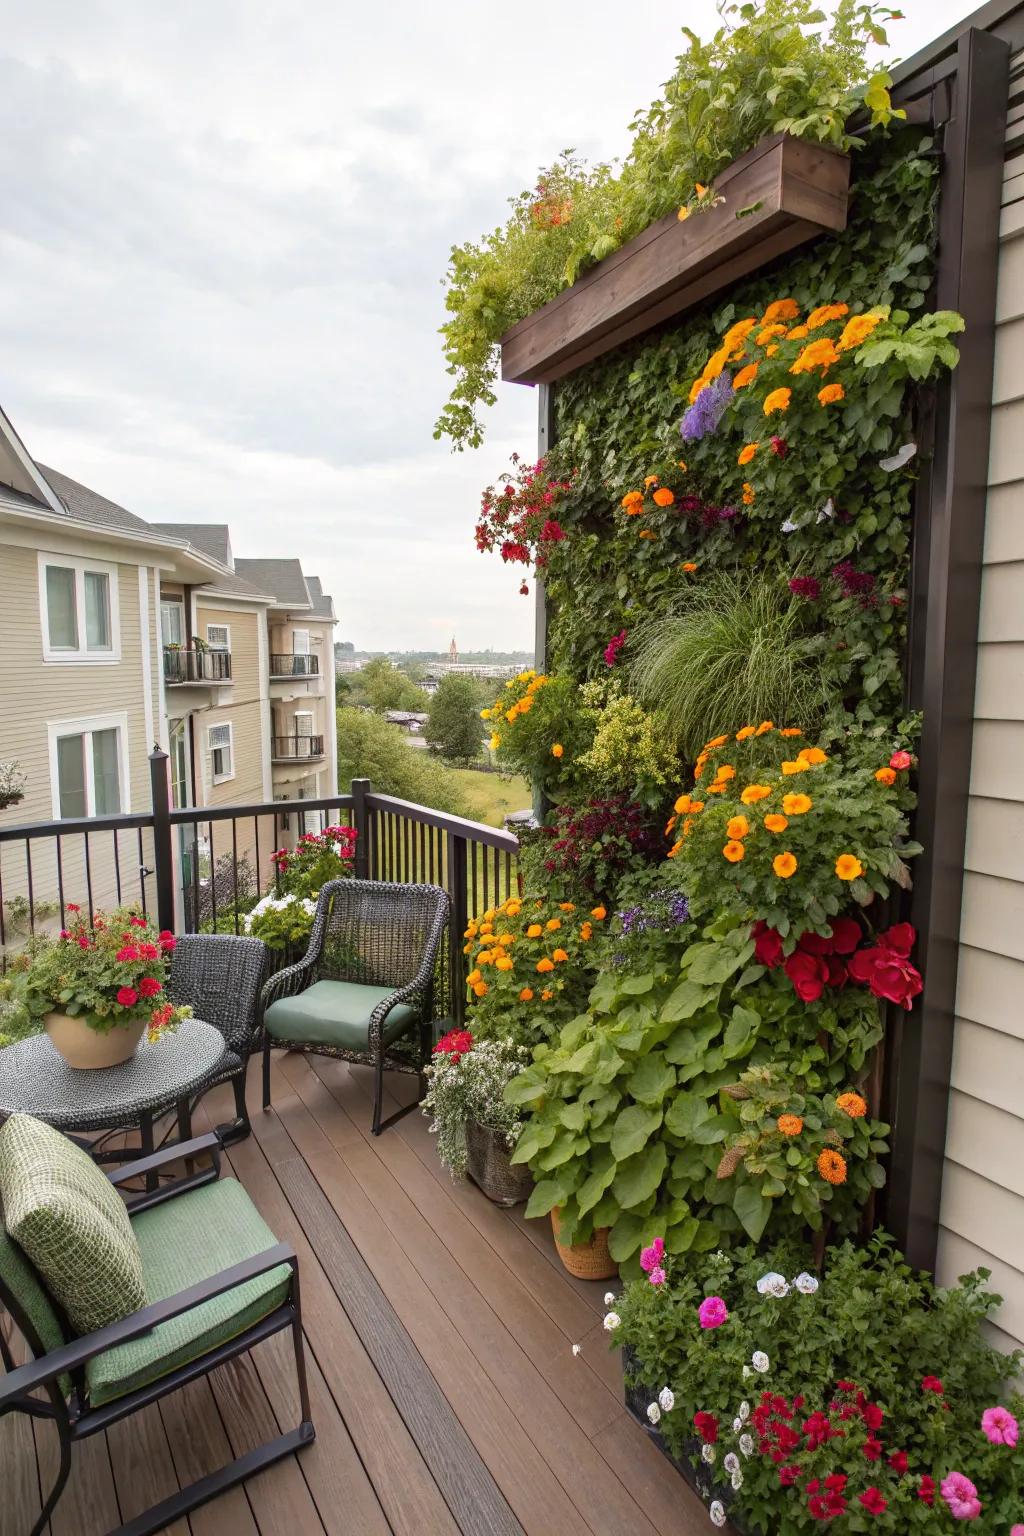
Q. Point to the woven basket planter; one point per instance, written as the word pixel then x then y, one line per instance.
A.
pixel 487 1163
pixel 587 1261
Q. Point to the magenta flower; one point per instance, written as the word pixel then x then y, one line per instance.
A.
pixel 961 1496
pixel 713 1312
pixel 614 646
pixel 999 1426
pixel 651 1257
pixel 657 1275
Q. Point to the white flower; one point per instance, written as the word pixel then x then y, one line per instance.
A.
pixel 747 1373
pixel 731 1462
pixel 707 1453
pixel 609 1298
pixel 744 1411
pixel 827 512
pixel 612 1321
pixel 747 1444
pixel 737 1425
pixel 759 1360
pixel 577 1348
pixel 806 1284
pixel 773 1284
pixel 789 526
pixel 737 1480
pixel 653 1412
pixel 899 458
pixel 717 1512
pixel 667 1399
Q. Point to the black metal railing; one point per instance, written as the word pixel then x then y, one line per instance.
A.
pixel 285 748
pixel 203 868
pixel 293 664
pixel 185 666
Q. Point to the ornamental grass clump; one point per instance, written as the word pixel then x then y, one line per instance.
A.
pixel 466 1081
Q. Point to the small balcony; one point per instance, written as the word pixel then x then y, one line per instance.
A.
pixel 187 667
pixel 296 748
pixel 294 664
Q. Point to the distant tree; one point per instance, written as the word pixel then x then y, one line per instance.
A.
pixel 370 748
pixel 454 728
pixel 383 687
pixel 342 689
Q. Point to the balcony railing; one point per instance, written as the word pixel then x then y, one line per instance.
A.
pixel 204 868
pixel 183 666
pixel 286 749
pixel 293 664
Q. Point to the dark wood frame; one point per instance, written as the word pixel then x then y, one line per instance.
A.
pixel 76 1421
pixel 779 195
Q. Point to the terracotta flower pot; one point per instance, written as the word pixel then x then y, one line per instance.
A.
pixel 89 1048
pixel 587 1261
pixel 488 1165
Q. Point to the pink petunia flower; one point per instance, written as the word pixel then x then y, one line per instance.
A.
pixel 961 1496
pixel 651 1257
pixel 657 1275
pixel 713 1312
pixel 999 1426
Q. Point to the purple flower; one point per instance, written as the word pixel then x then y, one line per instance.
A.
pixel 707 410
pixel 713 1312
pixel 651 1257
pixel 805 586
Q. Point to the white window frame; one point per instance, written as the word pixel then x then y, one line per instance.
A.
pixel 303 714
pixel 179 604
pixel 221 725
pixel 227 638
pixel 84 726
pixel 82 653
pixel 296 651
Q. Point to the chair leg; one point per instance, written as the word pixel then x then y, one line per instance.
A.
pixel 378 1097
pixel 239 1128
pixel 57 1489
pixel 266 1073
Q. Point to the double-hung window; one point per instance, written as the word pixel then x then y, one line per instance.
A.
pixel 78 609
pixel 218 637
pixel 89 766
pixel 221 752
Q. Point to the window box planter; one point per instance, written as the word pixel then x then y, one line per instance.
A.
pixel 779 195
pixel 488 1165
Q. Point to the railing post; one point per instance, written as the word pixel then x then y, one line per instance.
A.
pixel 361 822
pixel 163 849
pixel 458 886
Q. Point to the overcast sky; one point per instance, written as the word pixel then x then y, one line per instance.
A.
pixel 222 229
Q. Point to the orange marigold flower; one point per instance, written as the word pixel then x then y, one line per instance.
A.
pixel 755 792
pixel 745 376
pixel 650 480
pixel 746 453
pixel 790 1125
pixel 696 805
pixel 857 329
pixel 599 913
pixel 745 732
pixel 648 533
pixel 559 954
pixel 534 931
pixel 737 334
pixel 546 996
pixel 689 566
pixel 791 730
pixel 776 823
pixel 797 765
pixel 526 995
pixel 682 464
pixel 738 826
pixel 557 750
pixel 852 1104
pixel 696 387
pixel 474 976
pixel 817 354
pixel 764 727
pixel 770 331
pixel 716 741
pixel 734 852
pixel 849 867
pixel 726 771
pixel 719 787
pixel 780 309
pixel 812 755
pixel 664 497
pixel 553 924
pixel 632 501
pixel 504 963
pixel 886 776
pixel 796 805
pixel 682 805
pixel 797 333
pixel 824 313
pixel 567 906
pixel 748 494
pixel 832 1166
pixel 586 932
pixel 674 849
pixel 480 989
pixel 784 865
pixel 778 400
pixel 831 394
pixel 544 965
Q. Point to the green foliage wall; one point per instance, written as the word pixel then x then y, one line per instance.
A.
pixel 618 421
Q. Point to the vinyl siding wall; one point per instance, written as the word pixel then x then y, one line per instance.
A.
pixel 241 707
pixel 982 1212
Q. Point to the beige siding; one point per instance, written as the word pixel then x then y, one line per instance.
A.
pixel 238 705
pixel 983 1183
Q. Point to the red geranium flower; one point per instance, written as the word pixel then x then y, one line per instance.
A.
pixel 127 997
pixel 138 922
pixel 808 973
pixel 149 952
pixel 706 1425
pixel 926 1492
pixel 73 906
pixel 167 940
pixel 456 1044
pixel 127 954
pixel 932 1384
pixel 872 1501
pixel 898 1461
pixel 149 986
pixel 900 761
pixel 767 945
pixel 872 1449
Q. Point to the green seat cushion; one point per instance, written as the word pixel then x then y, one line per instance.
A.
pixel 182 1241
pixel 71 1223
pixel 336 1013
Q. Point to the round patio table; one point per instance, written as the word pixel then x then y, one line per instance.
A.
pixel 36 1080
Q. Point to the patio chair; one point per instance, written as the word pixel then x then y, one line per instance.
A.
pixel 215 1282
pixel 364 990
pixel 219 975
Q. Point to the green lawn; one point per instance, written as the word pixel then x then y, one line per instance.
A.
pixel 491 797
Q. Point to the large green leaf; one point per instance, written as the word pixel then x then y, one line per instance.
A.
pixel 527 1087
pixel 638 1177
pixel 752 1209
pixel 634 986
pixel 546 1195
pixel 685 1001
pixel 625 1236
pixel 686 1112
pixel 740 1032
pixel 688 1045
pixel 593 1187
pixel 565 1145
pixel 635 1124
pixel 652 1079
pixel 533 1139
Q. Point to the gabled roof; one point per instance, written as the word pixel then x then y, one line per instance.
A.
pixel 283 578
pixel 90 507
pixel 323 602
pixel 213 538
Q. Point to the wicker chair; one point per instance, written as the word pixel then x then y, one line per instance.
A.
pixel 219 976
pixel 365 984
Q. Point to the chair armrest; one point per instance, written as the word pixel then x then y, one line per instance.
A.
pixel 70 1357
pixel 285 984
pixel 210 1142
pixel 419 987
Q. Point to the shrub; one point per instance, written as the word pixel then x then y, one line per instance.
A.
pixel 453 722
pixel 589 846
pixel 466 1080
pixel 370 748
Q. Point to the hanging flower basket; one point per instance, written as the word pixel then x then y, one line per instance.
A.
pixel 488 1165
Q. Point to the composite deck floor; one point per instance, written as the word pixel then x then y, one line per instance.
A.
pixel 446 1395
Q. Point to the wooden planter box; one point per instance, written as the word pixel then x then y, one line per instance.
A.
pixel 779 195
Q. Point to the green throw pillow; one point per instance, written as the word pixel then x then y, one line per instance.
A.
pixel 71 1223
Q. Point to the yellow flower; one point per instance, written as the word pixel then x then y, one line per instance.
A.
pixel 511 714
pixel 784 865
pixel 684 213
pixel 526 995
pixel 798 765
pixel 495 742
pixel 824 313
pixel 857 329
pixel 849 867
pixel 534 931
pixel 812 755
pixel 553 924
pixel 748 494
pixel 746 453
pixel 544 965
pixel 557 750
pixel 559 954
pixel 738 826
pixel 776 823
pixel 831 394
pixel 525 704
pixel 778 400
pixel 755 792
pixel 745 376
pixel 485 714
pixel 796 805
pixel 505 963
pixel 734 852
pixel 474 977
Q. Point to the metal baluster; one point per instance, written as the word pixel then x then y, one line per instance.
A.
pixel 60 883
pixel 213 881
pixel 234 868
pixel 88 875
pixel 142 871
pixel 31 896
pixel 117 865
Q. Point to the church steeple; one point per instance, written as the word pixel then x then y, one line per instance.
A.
pixel 453 651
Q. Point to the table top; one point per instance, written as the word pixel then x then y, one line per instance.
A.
pixel 36 1080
